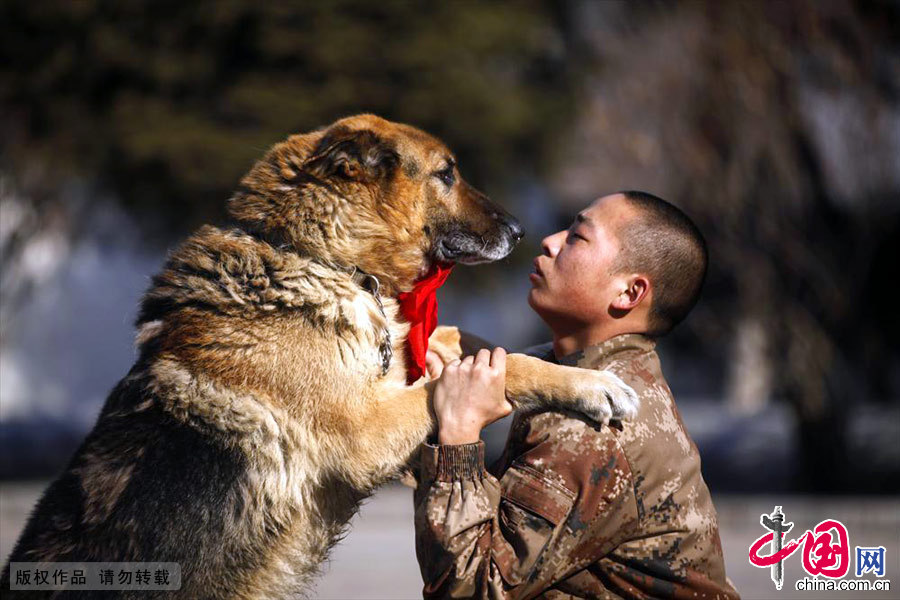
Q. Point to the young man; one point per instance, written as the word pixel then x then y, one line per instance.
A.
pixel 578 509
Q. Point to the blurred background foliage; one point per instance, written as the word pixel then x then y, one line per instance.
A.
pixel 775 125
pixel 168 103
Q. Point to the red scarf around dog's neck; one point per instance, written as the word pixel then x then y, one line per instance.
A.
pixel 420 308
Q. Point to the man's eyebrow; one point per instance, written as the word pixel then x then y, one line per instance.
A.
pixel 582 218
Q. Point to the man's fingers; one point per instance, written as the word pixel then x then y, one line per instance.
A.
pixel 498 359
pixel 483 357
pixel 469 360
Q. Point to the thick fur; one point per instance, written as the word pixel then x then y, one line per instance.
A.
pixel 261 410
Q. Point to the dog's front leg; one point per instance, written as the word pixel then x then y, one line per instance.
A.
pixel 533 384
pixel 396 419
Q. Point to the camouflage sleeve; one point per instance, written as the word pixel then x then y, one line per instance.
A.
pixel 456 505
pixel 519 536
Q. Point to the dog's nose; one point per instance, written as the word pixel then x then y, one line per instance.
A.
pixel 515 228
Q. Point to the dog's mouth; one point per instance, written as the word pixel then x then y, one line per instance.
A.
pixel 459 246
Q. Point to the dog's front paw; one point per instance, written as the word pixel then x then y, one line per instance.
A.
pixel 446 334
pixel 445 342
pixel 607 398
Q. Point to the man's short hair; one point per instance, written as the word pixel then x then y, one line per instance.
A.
pixel 662 242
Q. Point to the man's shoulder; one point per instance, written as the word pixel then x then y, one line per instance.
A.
pixel 657 438
pixel 639 368
pixel 657 443
pixel 556 438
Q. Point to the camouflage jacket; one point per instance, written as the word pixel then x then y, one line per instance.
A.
pixel 573 508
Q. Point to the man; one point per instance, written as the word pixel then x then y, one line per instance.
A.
pixel 574 508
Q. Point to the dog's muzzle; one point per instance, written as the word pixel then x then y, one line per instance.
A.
pixel 456 244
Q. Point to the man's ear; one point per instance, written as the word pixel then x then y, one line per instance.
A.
pixel 353 155
pixel 635 289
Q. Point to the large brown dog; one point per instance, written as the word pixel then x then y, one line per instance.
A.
pixel 269 397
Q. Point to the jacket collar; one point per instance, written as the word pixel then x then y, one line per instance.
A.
pixel 594 356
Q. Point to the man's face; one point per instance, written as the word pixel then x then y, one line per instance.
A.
pixel 572 281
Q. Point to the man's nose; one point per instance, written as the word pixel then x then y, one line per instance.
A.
pixel 550 245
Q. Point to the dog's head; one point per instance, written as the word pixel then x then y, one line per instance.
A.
pixel 382 196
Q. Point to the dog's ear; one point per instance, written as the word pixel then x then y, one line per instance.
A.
pixel 352 155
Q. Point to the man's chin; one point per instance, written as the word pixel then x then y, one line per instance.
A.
pixel 534 300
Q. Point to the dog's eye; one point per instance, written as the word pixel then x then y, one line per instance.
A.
pixel 446 176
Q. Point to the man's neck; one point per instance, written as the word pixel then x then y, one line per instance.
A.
pixel 566 343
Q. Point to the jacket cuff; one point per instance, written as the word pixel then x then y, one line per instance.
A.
pixel 451 463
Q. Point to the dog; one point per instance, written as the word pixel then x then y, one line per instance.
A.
pixel 270 392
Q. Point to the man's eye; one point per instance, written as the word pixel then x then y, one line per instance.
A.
pixel 574 236
pixel 446 176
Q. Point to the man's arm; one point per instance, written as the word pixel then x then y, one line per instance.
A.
pixel 561 506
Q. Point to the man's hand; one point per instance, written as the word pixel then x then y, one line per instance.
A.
pixel 470 395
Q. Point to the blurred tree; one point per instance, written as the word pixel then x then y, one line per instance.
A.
pixel 777 127
pixel 168 103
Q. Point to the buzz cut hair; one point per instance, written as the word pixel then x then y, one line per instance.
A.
pixel 663 243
